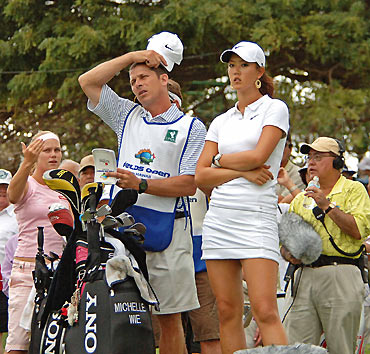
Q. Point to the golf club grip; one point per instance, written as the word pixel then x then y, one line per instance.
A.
pixel 40 239
pixel 92 200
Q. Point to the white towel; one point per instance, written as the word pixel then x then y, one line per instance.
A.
pixel 119 268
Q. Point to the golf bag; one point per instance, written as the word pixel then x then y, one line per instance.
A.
pixel 47 338
pixel 99 297
pixel 109 313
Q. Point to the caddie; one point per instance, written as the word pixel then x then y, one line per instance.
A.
pixel 158 148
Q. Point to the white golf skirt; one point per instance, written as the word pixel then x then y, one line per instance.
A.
pixel 240 234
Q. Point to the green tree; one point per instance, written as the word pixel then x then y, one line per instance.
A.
pixel 318 52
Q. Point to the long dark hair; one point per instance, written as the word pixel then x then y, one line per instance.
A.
pixel 267 85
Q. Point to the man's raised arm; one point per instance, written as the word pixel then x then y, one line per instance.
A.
pixel 93 80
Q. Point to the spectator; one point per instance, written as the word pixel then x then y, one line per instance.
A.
pixel 71 166
pixel 330 292
pixel 8 228
pixel 346 172
pixel 292 172
pixel 204 321
pixel 86 172
pixel 240 227
pixel 167 143
pixel 27 190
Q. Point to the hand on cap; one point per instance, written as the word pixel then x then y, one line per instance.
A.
pixel 150 58
pixel 32 151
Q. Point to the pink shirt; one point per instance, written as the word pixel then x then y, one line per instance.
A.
pixel 31 212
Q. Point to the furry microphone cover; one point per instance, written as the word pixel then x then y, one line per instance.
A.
pixel 298 348
pixel 299 238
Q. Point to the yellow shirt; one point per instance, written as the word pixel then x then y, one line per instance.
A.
pixel 351 197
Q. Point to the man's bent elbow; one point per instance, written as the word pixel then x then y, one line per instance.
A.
pixel 82 81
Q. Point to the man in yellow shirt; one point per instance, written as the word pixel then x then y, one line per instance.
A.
pixel 329 293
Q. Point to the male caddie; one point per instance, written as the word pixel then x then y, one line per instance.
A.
pixel 158 150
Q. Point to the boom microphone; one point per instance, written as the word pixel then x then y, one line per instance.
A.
pixel 299 238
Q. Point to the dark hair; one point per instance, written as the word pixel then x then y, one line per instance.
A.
pixel 174 87
pixel 302 172
pixel 267 85
pixel 159 71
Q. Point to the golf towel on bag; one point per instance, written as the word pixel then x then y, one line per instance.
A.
pixel 111 320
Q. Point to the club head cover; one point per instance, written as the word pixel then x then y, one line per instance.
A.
pixel 88 189
pixel 65 183
pixel 62 220
pixel 123 199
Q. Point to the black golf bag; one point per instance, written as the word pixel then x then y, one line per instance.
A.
pixel 49 337
pixel 80 312
pixel 109 318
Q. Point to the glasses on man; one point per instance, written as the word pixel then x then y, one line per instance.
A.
pixel 318 157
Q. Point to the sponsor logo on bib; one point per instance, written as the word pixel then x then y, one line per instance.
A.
pixel 171 135
pixel 145 156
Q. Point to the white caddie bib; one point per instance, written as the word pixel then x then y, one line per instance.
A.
pixel 154 151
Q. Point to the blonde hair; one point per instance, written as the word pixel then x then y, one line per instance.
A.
pixel 37 135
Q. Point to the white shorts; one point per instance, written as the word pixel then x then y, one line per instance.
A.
pixel 171 272
pixel 20 286
pixel 240 234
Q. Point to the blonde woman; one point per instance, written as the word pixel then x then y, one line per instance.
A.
pixel 32 198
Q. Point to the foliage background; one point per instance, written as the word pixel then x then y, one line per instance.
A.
pixel 318 52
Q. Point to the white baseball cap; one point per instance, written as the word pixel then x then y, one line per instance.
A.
pixel 5 176
pixel 169 46
pixel 248 51
pixel 364 164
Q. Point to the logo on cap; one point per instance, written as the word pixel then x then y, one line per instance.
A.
pixel 166 46
pixel 3 174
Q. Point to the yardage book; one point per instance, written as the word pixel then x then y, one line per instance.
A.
pixel 105 161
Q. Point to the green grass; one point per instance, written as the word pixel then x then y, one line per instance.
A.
pixel 367 349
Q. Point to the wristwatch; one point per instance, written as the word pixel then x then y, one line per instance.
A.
pixel 216 160
pixel 143 185
pixel 331 206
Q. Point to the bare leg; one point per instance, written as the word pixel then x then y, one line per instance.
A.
pixel 210 347
pixel 172 339
pixel 226 282
pixel 261 277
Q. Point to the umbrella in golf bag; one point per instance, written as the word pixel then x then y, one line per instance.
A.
pixel 109 315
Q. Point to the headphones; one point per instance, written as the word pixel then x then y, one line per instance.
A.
pixel 338 162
